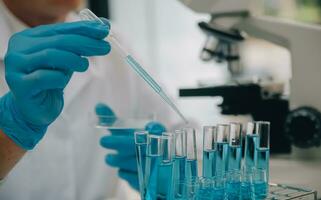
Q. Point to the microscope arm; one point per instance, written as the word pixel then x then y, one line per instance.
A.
pixel 304 43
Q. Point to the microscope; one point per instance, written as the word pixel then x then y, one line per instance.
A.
pixel 295 118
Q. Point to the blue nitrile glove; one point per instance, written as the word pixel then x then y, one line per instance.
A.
pixel 38 65
pixel 122 141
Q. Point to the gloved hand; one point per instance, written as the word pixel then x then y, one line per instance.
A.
pixel 38 65
pixel 122 141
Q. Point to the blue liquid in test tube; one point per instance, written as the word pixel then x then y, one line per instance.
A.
pixel 159 168
pixel 222 149
pixel 179 160
pixel 250 150
pixel 179 176
pixel 235 147
pixel 209 151
pixel 209 158
pixel 191 154
pixel 191 168
pixel 251 144
pixel 221 158
pixel 262 158
pixel 141 150
pixel 235 157
pixel 262 155
pixel 165 181
pixel 152 167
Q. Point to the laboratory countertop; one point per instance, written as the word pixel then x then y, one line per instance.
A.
pixel 298 172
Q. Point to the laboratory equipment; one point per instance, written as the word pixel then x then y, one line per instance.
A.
pixel 287 192
pixel 159 168
pixel 192 187
pixel 86 14
pixel 246 185
pixel 141 150
pixel 260 184
pixel 162 182
pixel 191 163
pixel 233 185
pixel 251 143
pixel 180 160
pixel 222 149
pixel 207 190
pixel 212 188
pixel 209 151
pixel 235 147
pixel 166 175
pixel 262 155
pixel 153 160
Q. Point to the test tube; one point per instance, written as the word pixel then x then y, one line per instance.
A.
pixel 260 184
pixel 251 142
pixel 209 151
pixel 141 150
pixel 262 155
pixel 180 161
pixel 153 160
pixel 235 147
pixel 165 178
pixel 233 185
pixel 191 165
pixel 222 147
pixel 180 141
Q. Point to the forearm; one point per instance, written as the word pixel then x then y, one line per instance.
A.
pixel 10 154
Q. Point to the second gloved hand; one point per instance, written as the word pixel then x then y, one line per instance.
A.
pixel 122 141
pixel 38 65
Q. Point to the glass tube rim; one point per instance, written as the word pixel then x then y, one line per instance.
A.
pixel 226 133
pixel 239 134
pixel 213 133
pixel 140 134
pixel 191 146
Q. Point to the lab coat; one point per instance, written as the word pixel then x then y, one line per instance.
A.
pixel 68 164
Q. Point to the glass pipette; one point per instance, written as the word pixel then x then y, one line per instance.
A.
pixel 86 14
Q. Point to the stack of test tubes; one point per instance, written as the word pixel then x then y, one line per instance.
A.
pixel 168 165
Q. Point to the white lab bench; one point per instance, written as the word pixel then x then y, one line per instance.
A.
pixel 303 173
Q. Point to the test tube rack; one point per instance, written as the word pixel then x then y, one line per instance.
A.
pixel 286 192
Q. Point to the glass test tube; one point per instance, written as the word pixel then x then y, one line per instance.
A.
pixel 209 151
pixel 247 188
pixel 165 178
pixel 141 150
pixel 233 185
pixel 262 156
pixel 222 146
pixel 153 160
pixel 191 165
pixel 211 188
pixel 235 147
pixel 179 137
pixel 251 142
pixel 260 184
